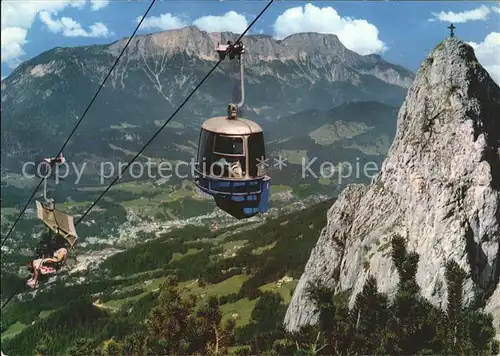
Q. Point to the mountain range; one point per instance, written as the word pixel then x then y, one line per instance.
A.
pixel 44 97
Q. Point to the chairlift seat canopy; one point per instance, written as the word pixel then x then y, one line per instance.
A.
pixel 58 222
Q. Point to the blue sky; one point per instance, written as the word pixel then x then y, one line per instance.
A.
pixel 402 32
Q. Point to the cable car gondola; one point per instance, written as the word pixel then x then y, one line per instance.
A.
pixel 231 157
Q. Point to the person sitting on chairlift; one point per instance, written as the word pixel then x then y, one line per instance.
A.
pixel 47 265
pixel 44 248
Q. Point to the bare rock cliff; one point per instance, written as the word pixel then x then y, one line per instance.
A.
pixel 438 188
pixel 308 50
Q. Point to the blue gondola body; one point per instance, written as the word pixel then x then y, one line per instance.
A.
pixel 240 198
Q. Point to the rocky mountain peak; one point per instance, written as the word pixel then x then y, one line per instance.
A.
pixel 193 40
pixel 320 49
pixel 452 95
pixel 438 188
pixel 449 74
pixel 306 39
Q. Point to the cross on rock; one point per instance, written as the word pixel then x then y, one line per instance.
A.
pixel 451 27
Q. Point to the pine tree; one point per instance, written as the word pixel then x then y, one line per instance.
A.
pixel 455 278
pixel 112 348
pixel 406 264
pixel 172 319
pixel 44 345
pixel 135 344
pixel 266 322
pixel 268 312
pixel 243 351
pixel 310 340
pixel 213 337
pixel 411 327
pixel 82 347
pixel 478 331
pixel 333 320
pixel 369 316
pixel 470 331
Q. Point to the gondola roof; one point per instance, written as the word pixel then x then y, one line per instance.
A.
pixel 224 125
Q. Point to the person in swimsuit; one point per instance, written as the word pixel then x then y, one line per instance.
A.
pixel 47 265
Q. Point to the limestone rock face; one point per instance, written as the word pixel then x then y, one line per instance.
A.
pixel 312 49
pixel 438 188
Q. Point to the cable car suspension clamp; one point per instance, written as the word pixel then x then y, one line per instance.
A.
pixel 234 50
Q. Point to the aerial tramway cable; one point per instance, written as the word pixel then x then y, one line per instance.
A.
pixel 81 118
pixel 153 137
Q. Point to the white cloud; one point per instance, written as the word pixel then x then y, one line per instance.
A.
pixel 70 28
pixel 229 22
pixel 100 30
pixel 488 54
pixel 13 39
pixel 98 4
pixel 496 9
pixel 22 14
pixel 479 14
pixel 357 35
pixel 17 17
pixel 163 22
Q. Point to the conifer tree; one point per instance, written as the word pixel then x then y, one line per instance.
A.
pixel 470 331
pixel 172 319
pixel 310 340
pixel 411 324
pixel 44 345
pixel 135 344
pixel 333 320
pixel 268 312
pixel 82 347
pixel 243 351
pixel 369 316
pixel 213 337
pixel 112 348
pixel 455 278
pixel 266 322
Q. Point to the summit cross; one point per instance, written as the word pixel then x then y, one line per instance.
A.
pixel 452 27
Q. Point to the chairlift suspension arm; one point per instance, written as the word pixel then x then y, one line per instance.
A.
pixel 45 190
pixel 48 201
